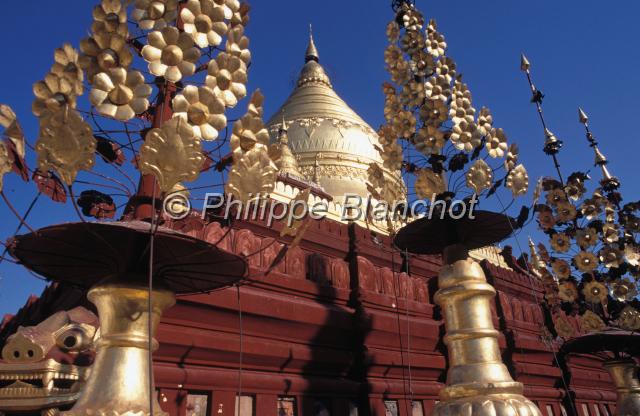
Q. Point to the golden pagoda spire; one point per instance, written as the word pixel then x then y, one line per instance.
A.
pixel 312 51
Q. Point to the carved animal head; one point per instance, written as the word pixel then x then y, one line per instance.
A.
pixel 44 366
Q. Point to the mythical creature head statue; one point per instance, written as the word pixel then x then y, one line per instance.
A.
pixel 44 367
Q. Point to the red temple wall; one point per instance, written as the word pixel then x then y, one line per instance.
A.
pixel 338 322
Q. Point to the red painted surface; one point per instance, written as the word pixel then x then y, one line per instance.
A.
pixel 339 320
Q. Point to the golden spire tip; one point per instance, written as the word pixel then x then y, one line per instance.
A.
pixel 525 65
pixel 312 51
pixel 584 119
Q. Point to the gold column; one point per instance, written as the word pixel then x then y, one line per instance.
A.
pixel 119 380
pixel 478 382
pixel 624 374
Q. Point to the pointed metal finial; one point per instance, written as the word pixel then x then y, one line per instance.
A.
pixel 312 51
pixel 584 119
pixel 525 65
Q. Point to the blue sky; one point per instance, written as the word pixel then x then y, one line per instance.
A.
pixel 583 53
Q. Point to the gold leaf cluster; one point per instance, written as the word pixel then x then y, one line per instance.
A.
pixel 66 144
pixel 172 154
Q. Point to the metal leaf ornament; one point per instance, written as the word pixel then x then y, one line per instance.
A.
pixel 204 21
pixel 518 181
pixel 110 16
pixel 67 66
pixel 120 94
pixel 630 319
pixel 429 184
pixel 52 94
pixel 171 54
pixel 155 14
pixel 202 109
pixel 172 154
pixel 249 131
pixel 238 44
pixel 12 129
pixel 479 176
pixel 227 77
pixel 66 144
pixel 5 163
pixel 252 175
pixel 104 51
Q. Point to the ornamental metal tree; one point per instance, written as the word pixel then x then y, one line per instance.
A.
pixel 590 270
pixel 172 126
pixel 434 132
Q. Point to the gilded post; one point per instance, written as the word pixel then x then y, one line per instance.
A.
pixel 478 382
pixel 119 380
pixel 624 374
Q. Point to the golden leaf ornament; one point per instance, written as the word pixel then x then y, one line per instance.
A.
pixel 485 121
pixel 623 290
pixel 110 16
pixel 52 94
pixel 66 144
pixel 120 94
pixel 587 237
pixel 67 66
pixel 155 14
pixel 230 7
pixel 227 77
pixel 252 175
pixel 204 21
pixel 629 319
pixel 479 176
pixel 568 292
pixel 595 292
pixel 512 158
pixel 561 268
pixel 518 181
pixel 102 52
pixel 497 143
pixel 12 128
pixel 566 211
pixel 6 164
pixel 429 184
pixel 249 130
pixel 465 136
pixel 560 242
pixel 591 322
pixel 611 256
pixel 392 156
pixel 585 261
pixel 172 154
pixel 171 54
pixel 238 44
pixel 563 327
pixel 202 109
